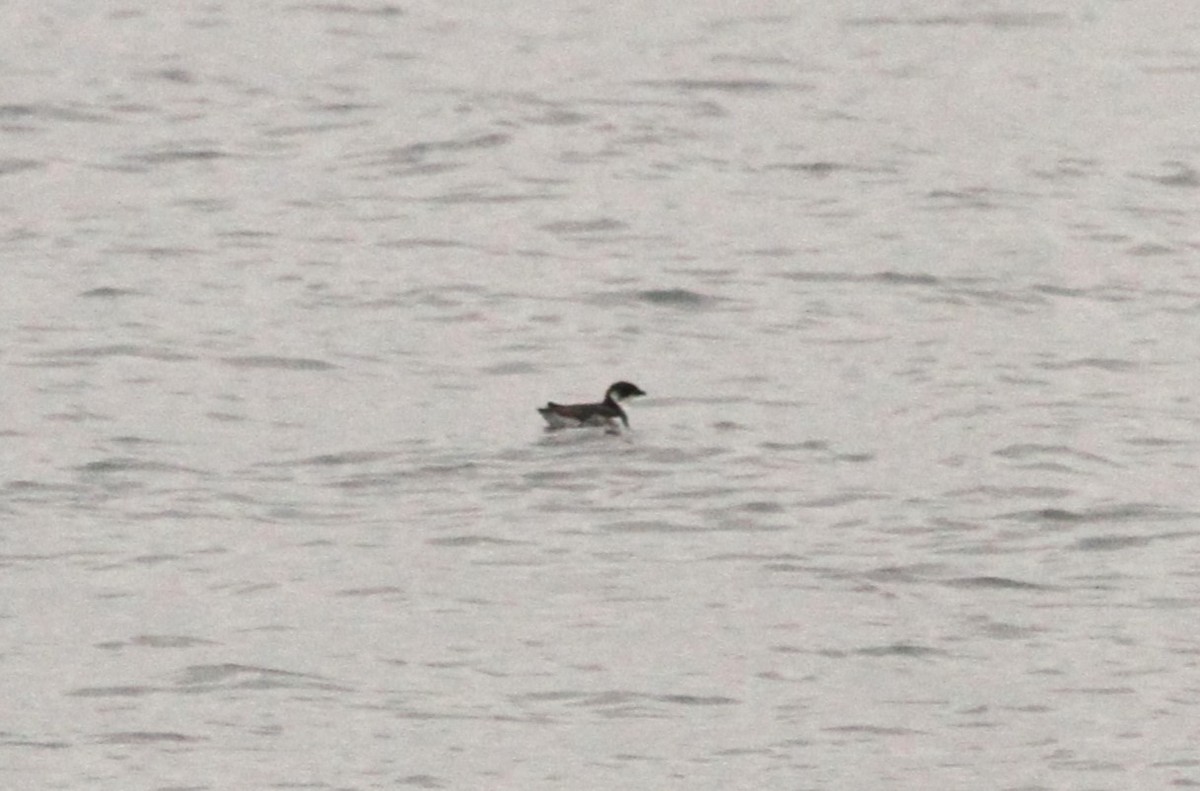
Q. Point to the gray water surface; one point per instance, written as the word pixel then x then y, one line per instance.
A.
pixel 910 504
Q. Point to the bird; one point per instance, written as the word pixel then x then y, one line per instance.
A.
pixel 604 414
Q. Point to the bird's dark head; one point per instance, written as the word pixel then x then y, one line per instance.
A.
pixel 619 391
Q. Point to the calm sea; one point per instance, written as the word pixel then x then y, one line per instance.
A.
pixel 911 503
